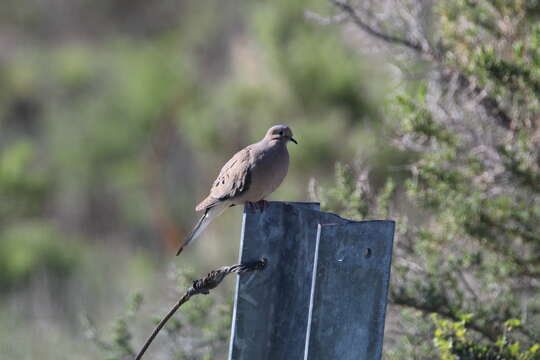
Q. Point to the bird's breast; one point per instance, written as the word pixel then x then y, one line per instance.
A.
pixel 267 173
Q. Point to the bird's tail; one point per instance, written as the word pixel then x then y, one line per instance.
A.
pixel 203 222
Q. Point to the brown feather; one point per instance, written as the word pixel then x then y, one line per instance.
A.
pixel 232 181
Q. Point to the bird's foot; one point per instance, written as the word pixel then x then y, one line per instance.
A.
pixel 257 205
pixel 262 204
pixel 250 206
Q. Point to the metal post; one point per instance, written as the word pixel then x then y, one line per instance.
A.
pixel 323 292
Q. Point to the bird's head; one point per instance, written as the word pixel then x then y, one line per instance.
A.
pixel 280 133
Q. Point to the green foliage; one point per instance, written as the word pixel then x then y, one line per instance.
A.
pixel 345 197
pixel 467 239
pixel 479 41
pixel 23 185
pixel 321 72
pixel 199 330
pixel 418 121
pixel 519 162
pixel 108 137
pixel 119 346
pixel 27 249
pixel 352 196
pixel 454 342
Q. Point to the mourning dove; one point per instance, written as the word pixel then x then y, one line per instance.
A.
pixel 248 177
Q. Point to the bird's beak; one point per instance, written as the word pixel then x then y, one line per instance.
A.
pixel 294 141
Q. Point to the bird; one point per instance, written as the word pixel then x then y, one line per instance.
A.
pixel 248 177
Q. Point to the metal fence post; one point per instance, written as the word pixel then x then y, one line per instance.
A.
pixel 323 292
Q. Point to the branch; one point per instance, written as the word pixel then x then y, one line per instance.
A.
pixel 201 286
pixel 322 20
pixel 348 9
pixel 490 104
pixel 488 334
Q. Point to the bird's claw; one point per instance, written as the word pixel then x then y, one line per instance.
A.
pixel 262 204
pixel 258 205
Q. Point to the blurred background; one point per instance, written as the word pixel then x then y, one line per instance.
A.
pixel 116 116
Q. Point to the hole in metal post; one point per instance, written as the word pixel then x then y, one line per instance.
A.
pixel 367 253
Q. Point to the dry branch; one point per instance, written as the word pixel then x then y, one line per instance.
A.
pixel 201 286
pixel 425 51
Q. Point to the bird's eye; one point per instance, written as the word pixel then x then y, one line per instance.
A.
pixel 281 133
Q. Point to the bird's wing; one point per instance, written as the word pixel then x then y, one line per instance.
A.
pixel 232 181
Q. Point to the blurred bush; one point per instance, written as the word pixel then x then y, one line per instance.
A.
pixel 27 249
pixel 115 117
